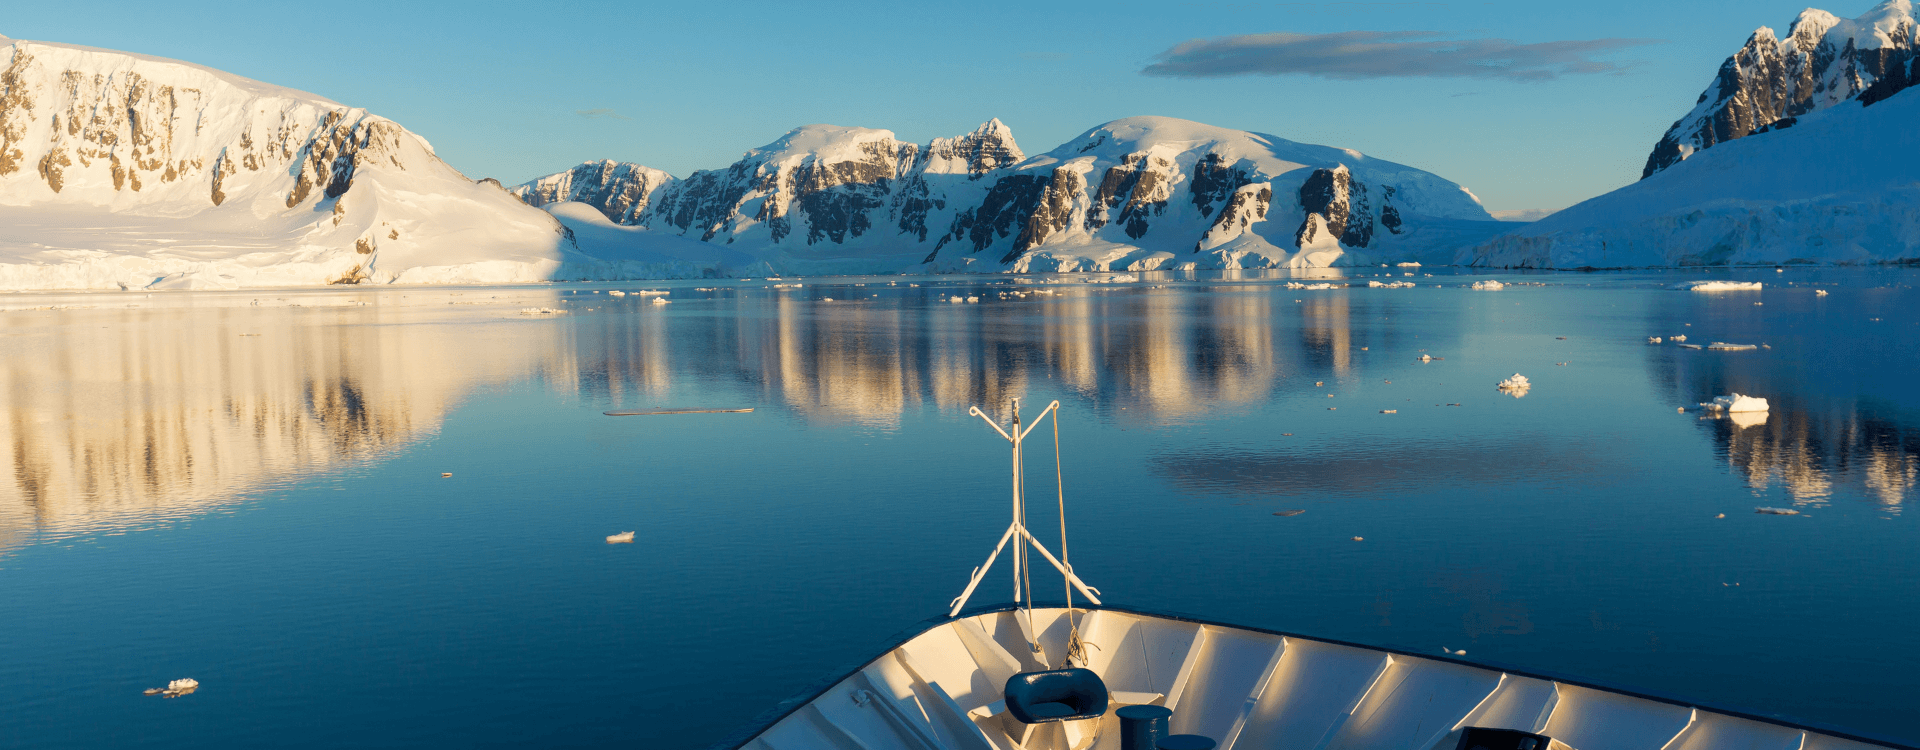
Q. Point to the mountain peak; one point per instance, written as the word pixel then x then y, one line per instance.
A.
pixel 1769 84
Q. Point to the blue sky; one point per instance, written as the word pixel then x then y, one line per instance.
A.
pixel 501 88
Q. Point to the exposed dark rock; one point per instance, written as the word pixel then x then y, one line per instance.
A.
pixel 1244 208
pixel 1053 212
pixel 1213 181
pixel 620 190
pixel 1008 204
pixel 1769 81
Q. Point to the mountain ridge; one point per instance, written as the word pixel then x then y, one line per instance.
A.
pixel 1137 193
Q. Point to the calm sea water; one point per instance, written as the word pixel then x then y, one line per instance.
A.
pixel 246 489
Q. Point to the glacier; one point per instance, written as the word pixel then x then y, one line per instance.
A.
pixel 126 171
pixel 1801 150
pixel 1839 187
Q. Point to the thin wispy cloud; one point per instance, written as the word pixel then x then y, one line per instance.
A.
pixel 1388 54
pixel 601 114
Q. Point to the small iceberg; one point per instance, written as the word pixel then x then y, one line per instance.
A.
pixel 1408 265
pixel 1719 286
pixel 662 301
pixel 1680 337
pixel 1298 285
pixel 1515 386
pixel 624 537
pixel 1735 403
pixel 1391 284
pixel 1777 511
pixel 1489 285
pixel 1726 347
pixel 652 292
pixel 1653 339
pixel 176 688
pixel 1819 292
pixel 617 293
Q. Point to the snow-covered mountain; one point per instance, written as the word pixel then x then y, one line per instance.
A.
pixel 120 170
pixel 1138 193
pixel 1771 82
pixel 1835 179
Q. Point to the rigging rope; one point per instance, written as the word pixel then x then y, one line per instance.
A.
pixel 1076 650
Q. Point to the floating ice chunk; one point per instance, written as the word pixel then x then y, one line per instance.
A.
pixel 1680 337
pixel 1719 286
pixel 957 300
pixel 1426 358
pixel 617 293
pixel 1408 265
pixel 1777 511
pixel 651 292
pixel 1653 339
pixel 1819 292
pixel 176 688
pixel 1289 512
pixel 1489 285
pixel 661 301
pixel 971 299
pixel 1691 346
pixel 624 537
pixel 1391 284
pixel 1724 346
pixel 1298 285
pixel 1733 403
pixel 826 299
pixel 1517 382
pixel 541 311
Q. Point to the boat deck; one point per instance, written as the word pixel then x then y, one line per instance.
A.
pixel 1247 689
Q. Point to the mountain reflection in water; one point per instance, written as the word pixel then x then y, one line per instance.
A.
pixel 123 409
pixel 247 488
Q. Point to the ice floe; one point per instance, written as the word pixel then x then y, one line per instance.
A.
pixel 1735 402
pixel 176 688
pixel 624 537
pixel 1724 346
pixel 1391 284
pixel 1719 286
pixel 1489 285
pixel 1777 511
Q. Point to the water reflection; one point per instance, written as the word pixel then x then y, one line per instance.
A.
pixel 134 409
pixel 1835 382
pixel 1807 454
pixel 118 415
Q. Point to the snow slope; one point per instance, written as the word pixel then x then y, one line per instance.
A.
pixel 1770 82
pixel 1134 194
pixel 120 170
pixel 1841 186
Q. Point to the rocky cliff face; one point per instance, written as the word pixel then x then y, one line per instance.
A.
pixel 822 189
pixel 1770 81
pixel 1134 193
pixel 621 190
pixel 299 186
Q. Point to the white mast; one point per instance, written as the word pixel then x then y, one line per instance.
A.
pixel 1017 530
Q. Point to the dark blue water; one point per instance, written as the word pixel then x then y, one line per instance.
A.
pixel 266 513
